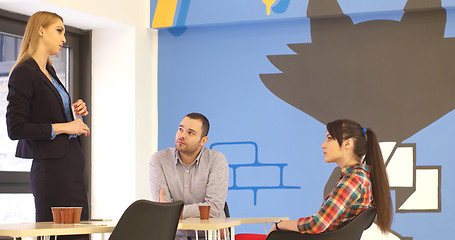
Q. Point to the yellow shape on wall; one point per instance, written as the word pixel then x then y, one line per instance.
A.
pixel 268 5
pixel 164 13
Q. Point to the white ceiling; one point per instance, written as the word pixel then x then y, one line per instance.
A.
pixel 71 17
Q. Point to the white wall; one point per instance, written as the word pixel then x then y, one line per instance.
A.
pixel 146 106
pixel 113 139
pixel 124 94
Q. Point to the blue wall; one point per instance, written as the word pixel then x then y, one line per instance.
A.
pixel 214 69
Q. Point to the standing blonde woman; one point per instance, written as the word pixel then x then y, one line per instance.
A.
pixel 39 116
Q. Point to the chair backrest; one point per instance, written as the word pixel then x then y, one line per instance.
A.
pixel 351 231
pixel 226 210
pixel 148 220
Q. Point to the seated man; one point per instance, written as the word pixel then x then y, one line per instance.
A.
pixel 190 172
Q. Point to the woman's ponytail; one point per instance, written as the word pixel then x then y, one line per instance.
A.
pixel 380 182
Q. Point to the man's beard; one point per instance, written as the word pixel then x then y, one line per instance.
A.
pixel 185 148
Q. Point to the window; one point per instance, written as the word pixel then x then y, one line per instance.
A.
pixel 15 196
pixel 9 48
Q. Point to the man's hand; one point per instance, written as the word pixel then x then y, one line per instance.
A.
pixel 162 199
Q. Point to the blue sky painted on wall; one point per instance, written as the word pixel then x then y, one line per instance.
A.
pixel 215 70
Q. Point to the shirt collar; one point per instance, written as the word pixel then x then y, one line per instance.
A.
pixel 196 161
pixel 352 168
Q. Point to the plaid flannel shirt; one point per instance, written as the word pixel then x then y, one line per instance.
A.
pixel 351 196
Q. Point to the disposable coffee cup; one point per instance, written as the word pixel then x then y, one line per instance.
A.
pixel 77 214
pixel 56 214
pixel 204 212
pixel 66 215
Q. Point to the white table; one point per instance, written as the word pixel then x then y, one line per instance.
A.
pixel 264 220
pixel 47 229
pixel 213 226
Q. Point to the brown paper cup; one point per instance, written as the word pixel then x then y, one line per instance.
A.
pixel 66 215
pixel 56 214
pixel 204 212
pixel 77 214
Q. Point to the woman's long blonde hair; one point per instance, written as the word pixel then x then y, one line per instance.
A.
pixel 30 40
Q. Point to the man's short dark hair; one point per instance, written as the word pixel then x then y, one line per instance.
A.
pixel 204 120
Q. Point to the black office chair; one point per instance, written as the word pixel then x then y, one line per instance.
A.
pixel 351 231
pixel 226 210
pixel 148 220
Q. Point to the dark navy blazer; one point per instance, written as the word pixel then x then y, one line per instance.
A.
pixel 33 105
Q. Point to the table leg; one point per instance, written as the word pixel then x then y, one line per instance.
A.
pixel 232 233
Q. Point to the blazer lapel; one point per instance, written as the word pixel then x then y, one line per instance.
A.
pixel 49 83
pixel 52 72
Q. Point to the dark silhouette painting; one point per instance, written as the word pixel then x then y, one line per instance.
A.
pixel 395 77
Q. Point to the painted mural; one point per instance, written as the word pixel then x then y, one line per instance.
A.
pixel 269 75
